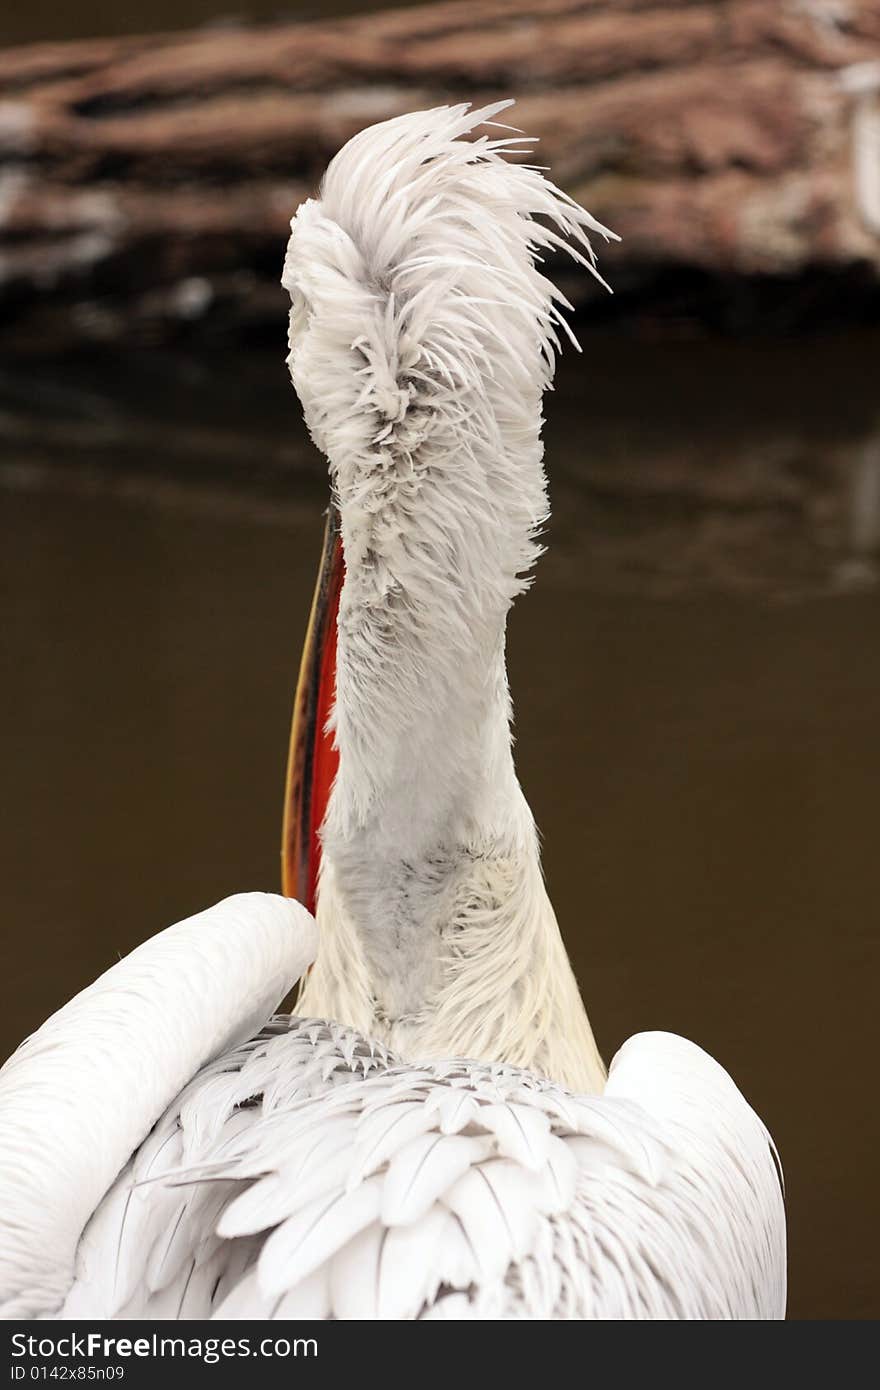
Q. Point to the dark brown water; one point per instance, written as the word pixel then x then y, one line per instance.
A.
pixel 697 679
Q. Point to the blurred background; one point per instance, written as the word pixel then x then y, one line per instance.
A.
pixel 697 671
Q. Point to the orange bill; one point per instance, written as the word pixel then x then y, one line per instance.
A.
pixel 313 761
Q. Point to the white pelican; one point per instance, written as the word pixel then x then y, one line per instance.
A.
pixel 433 1134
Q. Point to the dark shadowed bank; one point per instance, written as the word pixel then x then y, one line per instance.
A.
pixel 146 183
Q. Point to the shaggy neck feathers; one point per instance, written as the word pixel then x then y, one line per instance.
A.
pixel 422 337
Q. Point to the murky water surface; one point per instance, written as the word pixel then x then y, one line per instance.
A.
pixel 697 682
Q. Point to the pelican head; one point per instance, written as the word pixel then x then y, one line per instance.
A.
pixel 422 336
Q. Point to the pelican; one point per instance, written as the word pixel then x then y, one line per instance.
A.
pixel 432 1134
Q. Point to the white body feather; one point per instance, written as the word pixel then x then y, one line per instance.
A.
pixel 320 1171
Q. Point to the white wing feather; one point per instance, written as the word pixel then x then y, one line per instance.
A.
pixel 81 1093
